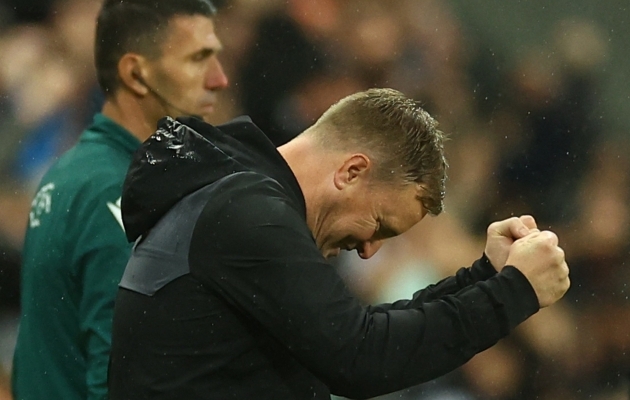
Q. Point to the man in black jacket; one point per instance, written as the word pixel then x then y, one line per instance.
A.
pixel 228 294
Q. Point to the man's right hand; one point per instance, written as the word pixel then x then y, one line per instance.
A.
pixel 539 258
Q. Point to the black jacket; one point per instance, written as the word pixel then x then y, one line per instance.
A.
pixel 226 295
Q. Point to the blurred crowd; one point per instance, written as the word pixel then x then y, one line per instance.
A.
pixel 525 139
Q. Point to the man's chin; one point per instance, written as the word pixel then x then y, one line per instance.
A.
pixel 204 112
pixel 208 109
pixel 332 253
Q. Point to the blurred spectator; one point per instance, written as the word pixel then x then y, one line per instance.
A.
pixel 46 102
pixel 550 100
pixel 285 56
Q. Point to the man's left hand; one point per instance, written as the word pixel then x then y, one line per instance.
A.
pixel 502 234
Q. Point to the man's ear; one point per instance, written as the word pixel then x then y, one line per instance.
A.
pixel 130 68
pixel 354 169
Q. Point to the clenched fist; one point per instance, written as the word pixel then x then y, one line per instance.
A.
pixel 539 258
pixel 502 234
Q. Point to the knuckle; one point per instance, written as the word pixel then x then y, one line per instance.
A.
pixel 560 252
pixel 549 235
pixel 558 257
pixel 547 247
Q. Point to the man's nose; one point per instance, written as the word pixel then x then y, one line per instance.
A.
pixel 216 78
pixel 368 249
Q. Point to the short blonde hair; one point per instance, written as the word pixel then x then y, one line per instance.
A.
pixel 397 133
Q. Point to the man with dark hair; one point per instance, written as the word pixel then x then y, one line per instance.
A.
pixel 228 294
pixel 153 58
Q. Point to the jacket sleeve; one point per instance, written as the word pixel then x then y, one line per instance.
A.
pixel 481 270
pixel 101 256
pixel 256 252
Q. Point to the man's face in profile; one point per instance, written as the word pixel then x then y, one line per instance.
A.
pixel 370 213
pixel 188 73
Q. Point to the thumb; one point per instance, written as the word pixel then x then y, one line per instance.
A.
pixel 513 228
pixel 529 222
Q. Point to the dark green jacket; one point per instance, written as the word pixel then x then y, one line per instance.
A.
pixel 74 255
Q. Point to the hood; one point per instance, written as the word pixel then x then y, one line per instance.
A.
pixel 187 154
